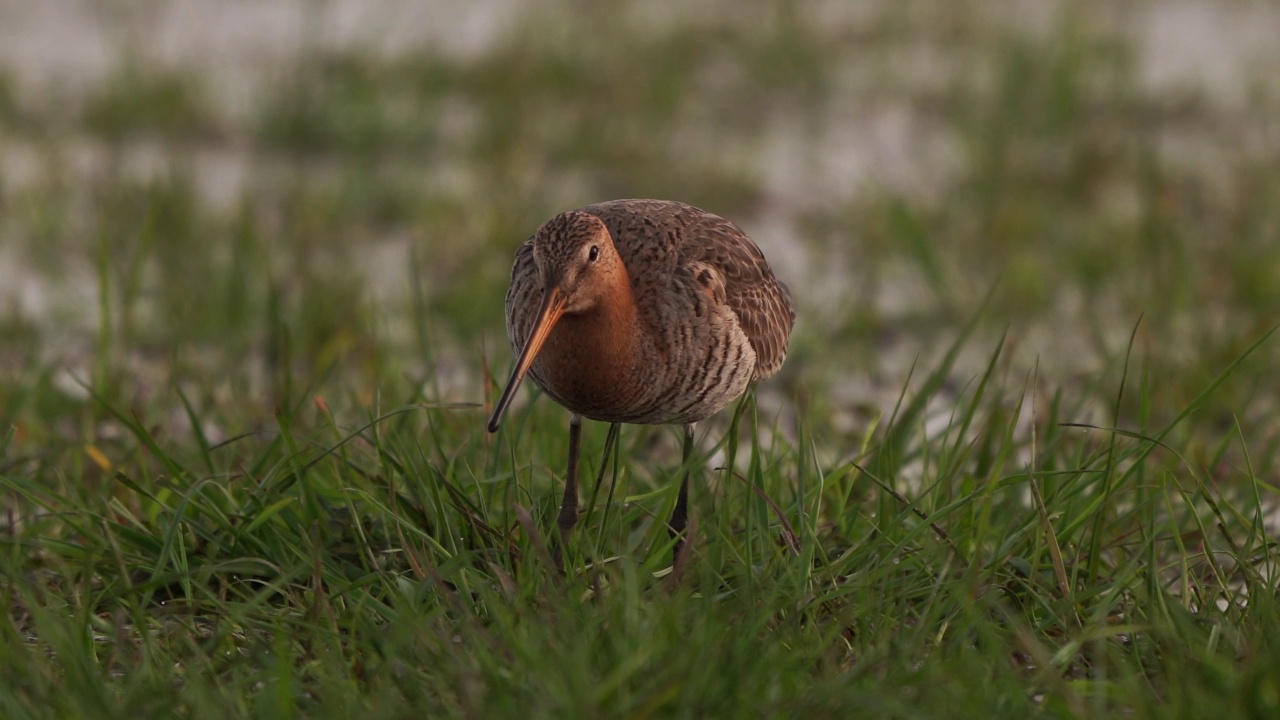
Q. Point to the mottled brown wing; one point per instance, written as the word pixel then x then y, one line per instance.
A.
pixel 676 235
pixel 523 297
pixel 762 303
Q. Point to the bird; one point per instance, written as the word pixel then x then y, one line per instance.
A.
pixel 644 312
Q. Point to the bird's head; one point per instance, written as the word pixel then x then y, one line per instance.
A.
pixel 578 268
pixel 576 260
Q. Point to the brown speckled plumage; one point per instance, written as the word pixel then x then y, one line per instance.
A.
pixel 651 311
pixel 710 315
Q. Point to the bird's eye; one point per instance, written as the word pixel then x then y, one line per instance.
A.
pixel 594 253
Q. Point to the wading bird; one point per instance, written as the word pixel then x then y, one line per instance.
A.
pixel 642 311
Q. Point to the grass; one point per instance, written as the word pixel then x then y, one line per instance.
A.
pixel 242 454
pixel 392 568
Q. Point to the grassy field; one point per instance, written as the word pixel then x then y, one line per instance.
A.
pixel 1023 460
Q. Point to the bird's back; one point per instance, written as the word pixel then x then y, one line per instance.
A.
pixel 663 241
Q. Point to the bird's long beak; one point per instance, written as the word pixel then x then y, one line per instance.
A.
pixel 553 302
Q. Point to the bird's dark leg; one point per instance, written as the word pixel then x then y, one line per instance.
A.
pixel 680 516
pixel 569 505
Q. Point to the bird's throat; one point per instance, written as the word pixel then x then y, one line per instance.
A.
pixel 589 358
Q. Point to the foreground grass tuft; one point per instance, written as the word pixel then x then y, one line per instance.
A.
pixel 391 566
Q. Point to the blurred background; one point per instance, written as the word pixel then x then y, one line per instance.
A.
pixel 249 200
